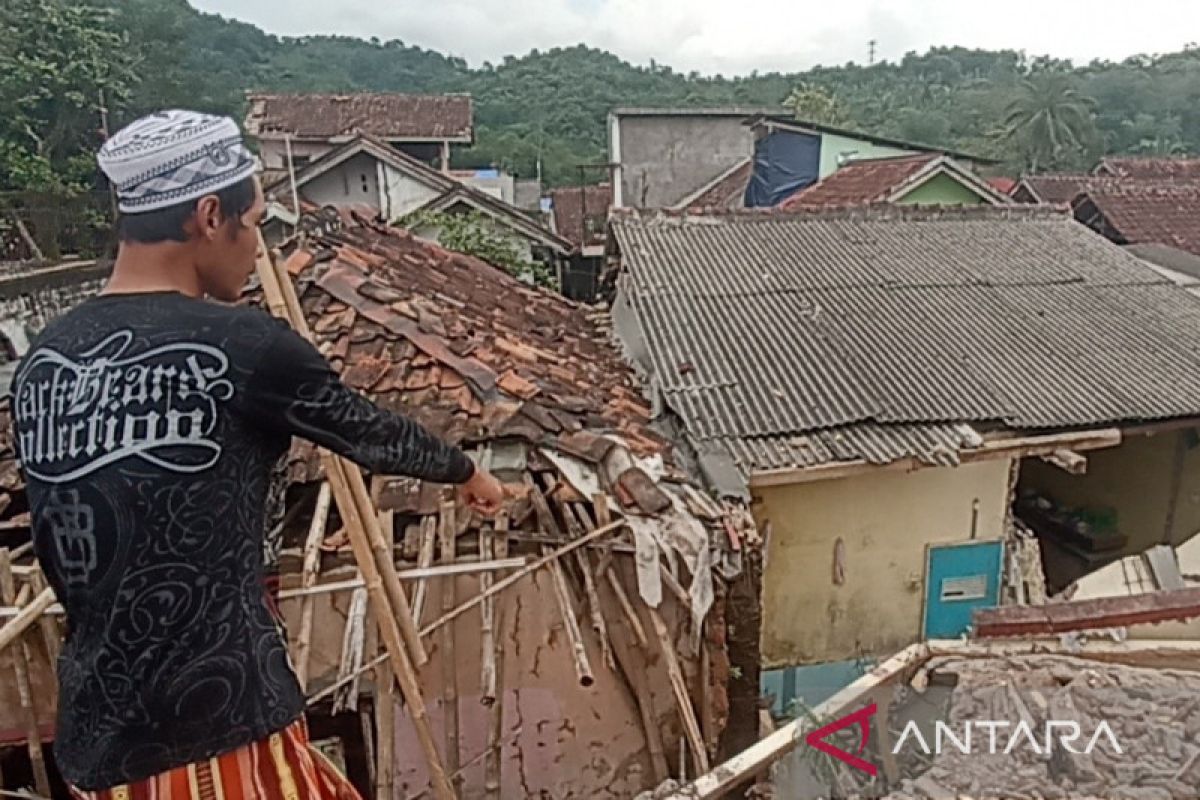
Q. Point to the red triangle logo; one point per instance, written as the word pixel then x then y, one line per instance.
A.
pixel 861 718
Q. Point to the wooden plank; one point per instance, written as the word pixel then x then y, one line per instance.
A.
pixel 1067 460
pixel 308 578
pixel 760 756
pixel 20 659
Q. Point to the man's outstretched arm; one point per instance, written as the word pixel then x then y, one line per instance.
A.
pixel 294 389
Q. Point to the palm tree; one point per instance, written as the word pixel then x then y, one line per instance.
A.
pixel 1050 117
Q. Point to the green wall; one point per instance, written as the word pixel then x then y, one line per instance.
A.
pixel 833 146
pixel 942 190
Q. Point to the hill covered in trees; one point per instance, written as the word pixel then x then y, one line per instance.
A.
pixel 57 57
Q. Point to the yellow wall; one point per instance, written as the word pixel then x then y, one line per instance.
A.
pixel 1135 480
pixel 885 519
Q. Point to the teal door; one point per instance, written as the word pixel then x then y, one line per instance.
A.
pixel 960 578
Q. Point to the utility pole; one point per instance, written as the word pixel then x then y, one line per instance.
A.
pixel 871 52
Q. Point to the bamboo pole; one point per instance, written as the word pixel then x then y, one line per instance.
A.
pixel 308 578
pixel 589 586
pixel 25 616
pixel 583 666
pixel 600 502
pixel 447 528
pixel 50 631
pixel 399 632
pixel 687 714
pixel 487 627
pixel 492 777
pixel 20 659
pixel 424 559
pixel 501 585
pixel 385 705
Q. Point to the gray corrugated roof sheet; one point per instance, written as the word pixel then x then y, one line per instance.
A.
pixel 888 328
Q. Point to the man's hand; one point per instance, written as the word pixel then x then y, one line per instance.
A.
pixel 483 493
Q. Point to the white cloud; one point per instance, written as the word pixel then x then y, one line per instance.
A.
pixel 737 36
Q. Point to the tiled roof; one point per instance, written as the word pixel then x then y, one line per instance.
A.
pixel 862 182
pixel 569 205
pixel 1061 188
pixel 386 115
pixel 1138 213
pixel 1151 167
pixel 1002 184
pixel 727 192
pixel 470 352
pixel 775 328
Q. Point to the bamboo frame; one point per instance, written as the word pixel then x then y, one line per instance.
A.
pixel 20 660
pixel 589 586
pixel 26 616
pixel 389 605
pixel 309 573
pixel 385 705
pixel 487 626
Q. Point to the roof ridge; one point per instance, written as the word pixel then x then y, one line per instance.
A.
pixel 884 212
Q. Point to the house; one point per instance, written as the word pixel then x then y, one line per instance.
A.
pixel 726 192
pixel 366 173
pixel 879 381
pixel 671 158
pixel 580 214
pixel 791 155
pixel 1149 167
pixel 661 156
pixel 1139 212
pixel 422 126
pixel 920 179
pixel 584 675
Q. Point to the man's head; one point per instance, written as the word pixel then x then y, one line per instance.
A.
pixel 186 186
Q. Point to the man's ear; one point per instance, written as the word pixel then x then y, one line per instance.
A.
pixel 208 216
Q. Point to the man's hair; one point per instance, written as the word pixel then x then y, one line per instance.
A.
pixel 166 224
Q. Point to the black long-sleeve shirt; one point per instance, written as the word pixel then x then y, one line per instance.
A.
pixel 147 426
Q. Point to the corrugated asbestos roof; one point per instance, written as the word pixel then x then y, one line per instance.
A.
pixel 764 330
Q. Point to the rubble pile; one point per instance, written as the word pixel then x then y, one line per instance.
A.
pixel 1153 714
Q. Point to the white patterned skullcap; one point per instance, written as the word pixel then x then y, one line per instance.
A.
pixel 172 157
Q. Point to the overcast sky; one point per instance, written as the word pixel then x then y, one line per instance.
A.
pixel 738 36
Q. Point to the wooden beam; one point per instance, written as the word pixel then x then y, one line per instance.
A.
pixel 308 578
pixel 759 757
pixel 20 661
pixel 1066 460
pixel 25 616
pixel 447 530
pixel 1021 447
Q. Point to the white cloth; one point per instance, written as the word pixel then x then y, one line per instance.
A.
pixel 173 157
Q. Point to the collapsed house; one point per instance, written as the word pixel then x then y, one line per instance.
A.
pixel 930 411
pixel 601 673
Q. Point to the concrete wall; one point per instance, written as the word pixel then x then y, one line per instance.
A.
pixel 354 181
pixel 402 194
pixel 942 190
pixel 1135 480
pixel 274 153
pixel 885 520
pixel 835 149
pixel 663 159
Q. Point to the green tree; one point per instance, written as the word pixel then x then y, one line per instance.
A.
pixel 476 235
pixel 1051 120
pixel 811 103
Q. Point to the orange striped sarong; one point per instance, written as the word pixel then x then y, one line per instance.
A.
pixel 284 766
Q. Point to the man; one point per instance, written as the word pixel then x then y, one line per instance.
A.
pixel 147 422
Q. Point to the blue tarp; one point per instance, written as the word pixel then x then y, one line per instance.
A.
pixel 784 163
